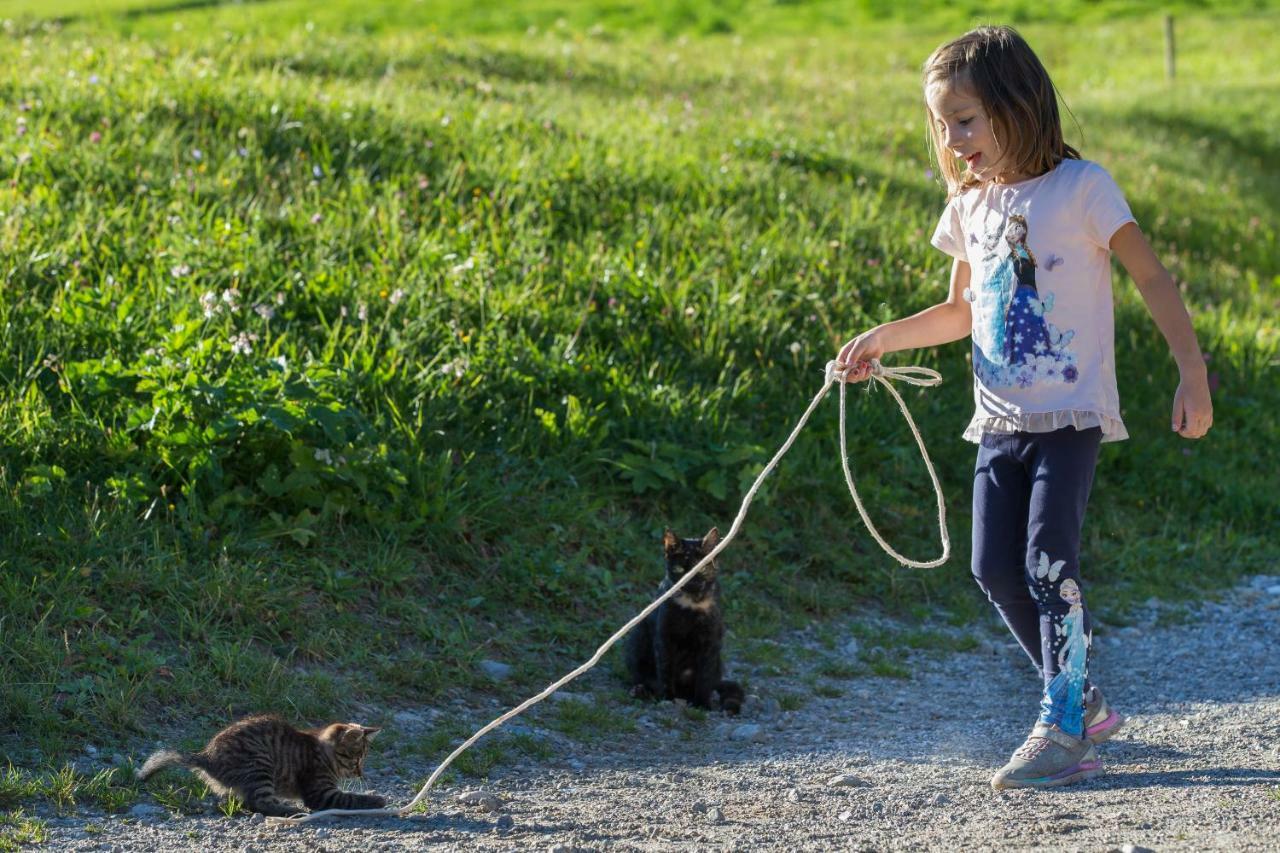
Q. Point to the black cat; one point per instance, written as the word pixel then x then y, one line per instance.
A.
pixel 675 652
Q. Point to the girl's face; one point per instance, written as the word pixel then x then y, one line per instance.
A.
pixel 965 128
pixel 1015 233
pixel 1070 593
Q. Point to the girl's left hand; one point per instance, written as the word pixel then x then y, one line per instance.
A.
pixel 1192 406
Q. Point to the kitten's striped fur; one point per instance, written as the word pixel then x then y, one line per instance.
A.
pixel 271 765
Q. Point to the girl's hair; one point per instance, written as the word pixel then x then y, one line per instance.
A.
pixel 1016 94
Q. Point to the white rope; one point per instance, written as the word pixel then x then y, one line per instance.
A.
pixel 911 375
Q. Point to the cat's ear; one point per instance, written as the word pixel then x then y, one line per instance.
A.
pixel 710 540
pixel 669 541
pixel 350 733
pixel 370 732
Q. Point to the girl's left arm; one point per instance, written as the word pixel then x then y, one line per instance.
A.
pixel 1192 406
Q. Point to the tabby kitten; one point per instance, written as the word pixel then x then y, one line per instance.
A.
pixel 675 652
pixel 267 763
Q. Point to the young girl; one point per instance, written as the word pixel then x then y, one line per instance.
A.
pixel 1032 228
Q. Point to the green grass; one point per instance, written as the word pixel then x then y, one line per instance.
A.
pixel 17 830
pixel 109 790
pixel 488 752
pixel 530 285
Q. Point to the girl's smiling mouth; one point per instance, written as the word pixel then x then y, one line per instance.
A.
pixel 973 159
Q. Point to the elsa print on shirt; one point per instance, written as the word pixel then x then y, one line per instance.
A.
pixel 1013 342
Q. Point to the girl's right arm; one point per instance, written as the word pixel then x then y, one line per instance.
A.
pixel 943 323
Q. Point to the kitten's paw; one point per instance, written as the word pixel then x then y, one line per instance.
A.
pixel 641 691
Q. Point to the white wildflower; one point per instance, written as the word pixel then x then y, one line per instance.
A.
pixel 209 304
pixel 457 367
pixel 179 270
pixel 242 344
pixel 397 295
pixel 468 264
pixel 362 311
pixel 266 312
pixel 795 347
pixel 324 456
pixel 231 296
pixel 280 297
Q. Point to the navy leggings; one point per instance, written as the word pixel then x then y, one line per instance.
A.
pixel 1029 496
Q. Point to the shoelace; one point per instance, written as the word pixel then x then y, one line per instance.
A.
pixel 1032 748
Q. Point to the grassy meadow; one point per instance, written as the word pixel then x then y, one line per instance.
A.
pixel 344 346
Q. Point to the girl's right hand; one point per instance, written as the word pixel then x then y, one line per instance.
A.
pixel 858 353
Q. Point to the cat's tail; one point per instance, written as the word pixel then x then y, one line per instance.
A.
pixel 731 696
pixel 161 759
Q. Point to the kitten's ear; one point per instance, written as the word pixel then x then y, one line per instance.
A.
pixel 334 732
pixel 669 541
pixel 351 733
pixel 710 540
pixel 370 732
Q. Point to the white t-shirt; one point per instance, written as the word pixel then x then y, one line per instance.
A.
pixel 1040 295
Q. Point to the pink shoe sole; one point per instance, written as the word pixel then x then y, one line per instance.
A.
pixel 1102 731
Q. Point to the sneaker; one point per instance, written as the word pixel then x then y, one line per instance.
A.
pixel 1049 757
pixel 1101 721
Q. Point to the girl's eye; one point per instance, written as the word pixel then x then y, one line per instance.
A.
pixel 964 122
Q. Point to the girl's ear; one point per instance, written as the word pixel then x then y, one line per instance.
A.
pixel 669 541
pixel 709 541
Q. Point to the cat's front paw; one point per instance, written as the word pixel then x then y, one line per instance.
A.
pixel 374 801
pixel 641 691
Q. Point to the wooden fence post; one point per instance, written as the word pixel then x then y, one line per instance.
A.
pixel 1168 48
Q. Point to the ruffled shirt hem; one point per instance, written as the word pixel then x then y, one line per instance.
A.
pixel 1112 427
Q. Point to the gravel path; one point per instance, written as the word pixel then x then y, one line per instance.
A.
pixel 1196 768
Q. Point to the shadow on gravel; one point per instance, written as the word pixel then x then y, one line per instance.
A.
pixel 1197 778
pixel 427 823
pixel 1126 747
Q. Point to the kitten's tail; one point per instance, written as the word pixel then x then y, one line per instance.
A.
pixel 731 696
pixel 161 759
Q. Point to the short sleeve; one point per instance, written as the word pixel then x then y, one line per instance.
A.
pixel 1105 209
pixel 949 235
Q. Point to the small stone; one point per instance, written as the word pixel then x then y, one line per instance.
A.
pixel 793 795
pixel 505 822
pixel 495 670
pixel 851 648
pixel 700 808
pixel 1135 848
pixel 91 751
pixel 576 765
pixel 940 800
pixel 714 815
pixel 569 696
pixel 846 780
pixel 146 811
pixel 748 731
pixel 408 719
pixel 1273 590
pixel 485 800
pixel 846 816
pixel 257 817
